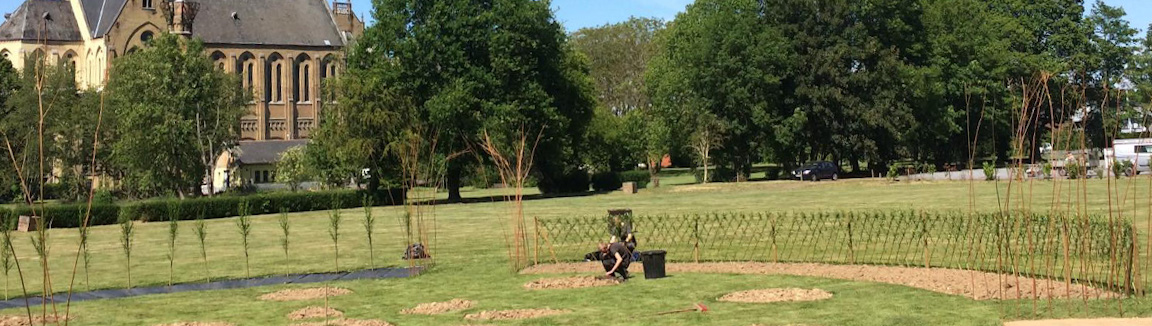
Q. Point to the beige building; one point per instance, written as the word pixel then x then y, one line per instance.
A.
pixel 283 50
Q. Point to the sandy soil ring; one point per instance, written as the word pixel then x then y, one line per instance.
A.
pixel 1084 322
pixel 22 320
pixel 314 312
pixel 304 294
pixel 776 295
pixel 196 323
pixel 515 314
pixel 436 308
pixel 348 322
pixel 569 283
pixel 973 284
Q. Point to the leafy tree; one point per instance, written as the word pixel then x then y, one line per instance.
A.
pixel 718 57
pixel 175 113
pixel 292 169
pixel 34 119
pixel 472 66
pixel 618 56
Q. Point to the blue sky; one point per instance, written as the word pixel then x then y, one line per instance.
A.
pixel 575 14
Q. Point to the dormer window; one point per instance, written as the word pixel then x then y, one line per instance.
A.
pixel 147 4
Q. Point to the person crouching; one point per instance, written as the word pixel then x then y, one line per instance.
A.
pixel 616 257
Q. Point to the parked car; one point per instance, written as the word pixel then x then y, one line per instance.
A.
pixel 816 171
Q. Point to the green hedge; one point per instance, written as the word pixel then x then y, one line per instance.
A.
pixel 68 216
pixel 607 181
pixel 641 178
pixel 228 206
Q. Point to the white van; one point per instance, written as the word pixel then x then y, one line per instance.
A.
pixel 1137 151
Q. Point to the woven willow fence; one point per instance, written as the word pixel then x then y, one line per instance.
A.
pixel 1091 250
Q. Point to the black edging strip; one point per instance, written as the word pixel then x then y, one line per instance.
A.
pixel 378 273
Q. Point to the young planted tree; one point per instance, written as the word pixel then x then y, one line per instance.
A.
pixel 369 227
pixel 85 253
pixel 6 251
pixel 244 226
pixel 173 230
pixel 285 228
pixel 126 233
pixel 334 230
pixel 201 235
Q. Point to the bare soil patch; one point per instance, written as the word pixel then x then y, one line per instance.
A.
pixel 348 322
pixel 195 323
pixel 514 314
pixel 304 294
pixel 436 308
pixel 973 284
pixel 569 283
pixel 776 295
pixel 22 320
pixel 1084 322
pixel 314 312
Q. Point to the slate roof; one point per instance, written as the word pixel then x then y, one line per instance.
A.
pixel 41 20
pixel 266 22
pixel 101 14
pixel 265 151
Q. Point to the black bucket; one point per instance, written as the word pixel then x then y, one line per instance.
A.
pixel 653 263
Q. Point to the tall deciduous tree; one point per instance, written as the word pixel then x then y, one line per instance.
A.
pixel 175 113
pixel 721 58
pixel 470 66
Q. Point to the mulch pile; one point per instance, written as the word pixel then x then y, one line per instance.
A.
pixel 973 284
pixel 304 294
pixel 436 308
pixel 570 283
pixel 348 322
pixel 514 314
pixel 315 312
pixel 196 324
pixel 37 319
pixel 776 295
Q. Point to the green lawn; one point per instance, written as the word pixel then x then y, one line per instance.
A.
pixel 472 263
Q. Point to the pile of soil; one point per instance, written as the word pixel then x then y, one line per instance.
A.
pixel 776 295
pixel 973 284
pixel 514 314
pixel 569 283
pixel 348 322
pixel 436 308
pixel 196 324
pixel 1084 322
pixel 22 320
pixel 315 312
pixel 304 294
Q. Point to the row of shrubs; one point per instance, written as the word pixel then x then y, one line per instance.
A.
pixel 610 181
pixel 66 216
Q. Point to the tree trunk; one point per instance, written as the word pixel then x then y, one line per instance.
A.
pixel 452 182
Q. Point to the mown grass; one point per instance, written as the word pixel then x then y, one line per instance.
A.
pixel 472 264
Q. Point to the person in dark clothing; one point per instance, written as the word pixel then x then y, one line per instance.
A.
pixel 621 231
pixel 616 257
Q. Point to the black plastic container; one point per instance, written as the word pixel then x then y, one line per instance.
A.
pixel 653 263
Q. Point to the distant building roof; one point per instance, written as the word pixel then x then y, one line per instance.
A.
pixel 41 20
pixel 101 15
pixel 266 22
pixel 265 151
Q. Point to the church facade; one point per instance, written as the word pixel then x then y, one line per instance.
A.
pixel 282 50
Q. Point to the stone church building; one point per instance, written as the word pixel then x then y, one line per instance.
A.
pixel 283 50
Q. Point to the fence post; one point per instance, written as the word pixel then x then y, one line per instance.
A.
pixel 851 250
pixel 536 241
pixel 924 234
pixel 775 257
pixel 696 239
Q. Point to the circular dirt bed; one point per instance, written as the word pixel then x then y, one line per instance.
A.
pixel 22 320
pixel 436 308
pixel 776 295
pixel 304 294
pixel 973 284
pixel 348 322
pixel 315 312
pixel 194 323
pixel 1084 322
pixel 514 314
pixel 569 283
